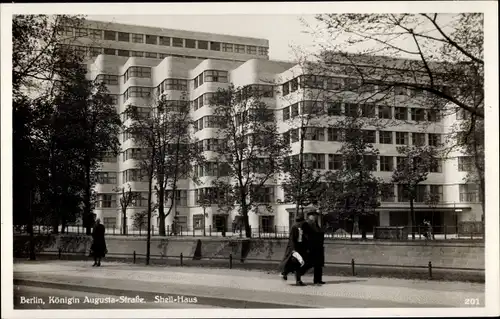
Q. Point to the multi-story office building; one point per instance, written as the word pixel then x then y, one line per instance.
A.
pixel 133 61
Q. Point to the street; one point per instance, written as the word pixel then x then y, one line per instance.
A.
pixel 230 288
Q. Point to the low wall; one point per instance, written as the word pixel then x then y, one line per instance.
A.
pixel 441 254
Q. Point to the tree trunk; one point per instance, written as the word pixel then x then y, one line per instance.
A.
pixel 32 255
pixel 150 195
pixel 204 220
pixel 161 205
pixel 87 210
pixel 244 213
pixel 412 213
pixel 124 218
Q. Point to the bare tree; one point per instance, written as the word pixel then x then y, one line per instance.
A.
pixel 126 200
pixel 250 145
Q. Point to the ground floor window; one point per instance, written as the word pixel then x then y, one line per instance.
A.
pixel 198 221
pixel 266 224
pixel 109 222
pixel 219 223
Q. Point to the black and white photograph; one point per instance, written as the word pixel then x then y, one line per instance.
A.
pixel 279 159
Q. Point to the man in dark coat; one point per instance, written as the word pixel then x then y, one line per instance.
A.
pixel 316 256
pixel 297 243
pixel 98 247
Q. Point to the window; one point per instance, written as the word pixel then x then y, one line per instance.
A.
pixel 139 199
pixel 151 39
pixel 95 34
pixel 266 224
pixel 402 138
pixel 165 41
pixel 95 51
pixel 81 32
pixel 135 175
pixel 386 164
pixel 198 221
pixel 109 35
pixel 314 134
pixel 123 52
pixel 137 54
pixel 403 194
pixel 434 140
pixel 215 76
pixel 334 135
pixel 294 85
pixel 418 139
pixel 190 43
pixel 251 49
pixel 163 55
pixel 137 91
pixel 203 45
pixel 152 55
pixel 334 83
pixel 294 135
pixel 385 137
pixel 286 113
pixel 368 110
pixel 385 112
pixel 137 72
pixel 311 107
pixel 462 114
pixel 420 193
pixel 239 48
pixel 175 84
pixel 437 192
pixel 369 136
pixel 215 46
pixel 122 36
pixel 109 51
pixel 106 201
pixel 286 88
pixel 137 38
pixel 465 163
pixel 263 51
pixel 433 116
pixel 136 154
pixel 227 47
pixel 334 108
pixel 334 161
pixel 314 161
pixel 107 79
pixel 417 114
pixel 435 166
pixel 400 90
pixel 351 109
pixel 114 98
pixel 387 193
pixel 106 177
pixel 177 42
pixel 264 195
pixel 468 192
pixel 109 222
pixel 370 162
pixel 401 113
pixel 401 162
pixel 352 84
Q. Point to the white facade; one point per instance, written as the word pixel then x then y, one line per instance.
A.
pixel 247 68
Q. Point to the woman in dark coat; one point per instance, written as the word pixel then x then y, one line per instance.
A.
pixel 297 243
pixel 316 257
pixel 98 247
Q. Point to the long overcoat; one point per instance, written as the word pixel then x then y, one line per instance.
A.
pixel 316 240
pixel 98 248
pixel 297 242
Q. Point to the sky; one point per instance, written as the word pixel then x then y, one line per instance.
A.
pixel 283 31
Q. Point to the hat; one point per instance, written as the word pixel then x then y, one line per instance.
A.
pixel 299 217
pixel 312 212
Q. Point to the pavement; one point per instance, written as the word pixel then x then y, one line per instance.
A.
pixel 182 287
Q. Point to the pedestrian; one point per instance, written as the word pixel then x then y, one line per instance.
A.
pixel 98 247
pixel 316 249
pixel 296 251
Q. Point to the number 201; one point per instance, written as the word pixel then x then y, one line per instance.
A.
pixel 472 301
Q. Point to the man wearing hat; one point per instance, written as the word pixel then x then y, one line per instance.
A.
pixel 296 251
pixel 316 251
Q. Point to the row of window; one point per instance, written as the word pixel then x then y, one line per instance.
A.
pixel 209 121
pixel 337 162
pixel 369 136
pixel 349 84
pixel 363 110
pixel 467 193
pixel 95 51
pixel 165 41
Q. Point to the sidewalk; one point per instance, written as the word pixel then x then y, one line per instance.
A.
pixel 233 285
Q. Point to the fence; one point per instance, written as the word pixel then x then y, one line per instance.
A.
pixel 276 232
pixel 352 266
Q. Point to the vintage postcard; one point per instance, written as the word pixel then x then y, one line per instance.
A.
pixel 250 159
